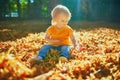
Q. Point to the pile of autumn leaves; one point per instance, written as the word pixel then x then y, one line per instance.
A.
pixel 98 58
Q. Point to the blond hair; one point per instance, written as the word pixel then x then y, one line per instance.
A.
pixel 60 9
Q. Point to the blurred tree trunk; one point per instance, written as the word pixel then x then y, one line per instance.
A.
pixel 5 9
pixel 19 8
pixel 115 11
pixel 2 9
pixel 28 9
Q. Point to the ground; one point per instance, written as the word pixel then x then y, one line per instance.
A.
pixel 98 58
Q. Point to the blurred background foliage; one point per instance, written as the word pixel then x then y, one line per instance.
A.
pixel 20 17
pixel 92 10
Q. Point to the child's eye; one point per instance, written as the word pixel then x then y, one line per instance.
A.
pixel 64 21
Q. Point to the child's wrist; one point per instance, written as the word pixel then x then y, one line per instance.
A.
pixel 75 45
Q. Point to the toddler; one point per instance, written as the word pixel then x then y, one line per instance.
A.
pixel 59 35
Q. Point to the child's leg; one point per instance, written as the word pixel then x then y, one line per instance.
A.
pixel 64 51
pixel 43 51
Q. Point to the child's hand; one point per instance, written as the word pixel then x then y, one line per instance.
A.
pixel 76 47
pixel 56 41
pixel 53 41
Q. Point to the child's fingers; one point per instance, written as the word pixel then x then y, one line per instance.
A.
pixel 79 49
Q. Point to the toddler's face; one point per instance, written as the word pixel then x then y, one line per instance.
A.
pixel 62 19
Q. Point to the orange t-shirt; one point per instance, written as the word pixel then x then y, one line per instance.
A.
pixel 62 34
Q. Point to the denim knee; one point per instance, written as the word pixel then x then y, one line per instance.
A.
pixel 65 51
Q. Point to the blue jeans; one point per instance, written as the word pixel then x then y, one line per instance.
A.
pixel 64 50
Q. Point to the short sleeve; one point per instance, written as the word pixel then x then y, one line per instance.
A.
pixel 70 30
pixel 49 30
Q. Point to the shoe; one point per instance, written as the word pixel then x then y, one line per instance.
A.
pixel 63 59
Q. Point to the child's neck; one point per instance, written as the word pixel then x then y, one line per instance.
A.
pixel 59 27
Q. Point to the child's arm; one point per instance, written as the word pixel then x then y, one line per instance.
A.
pixel 49 39
pixel 74 41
